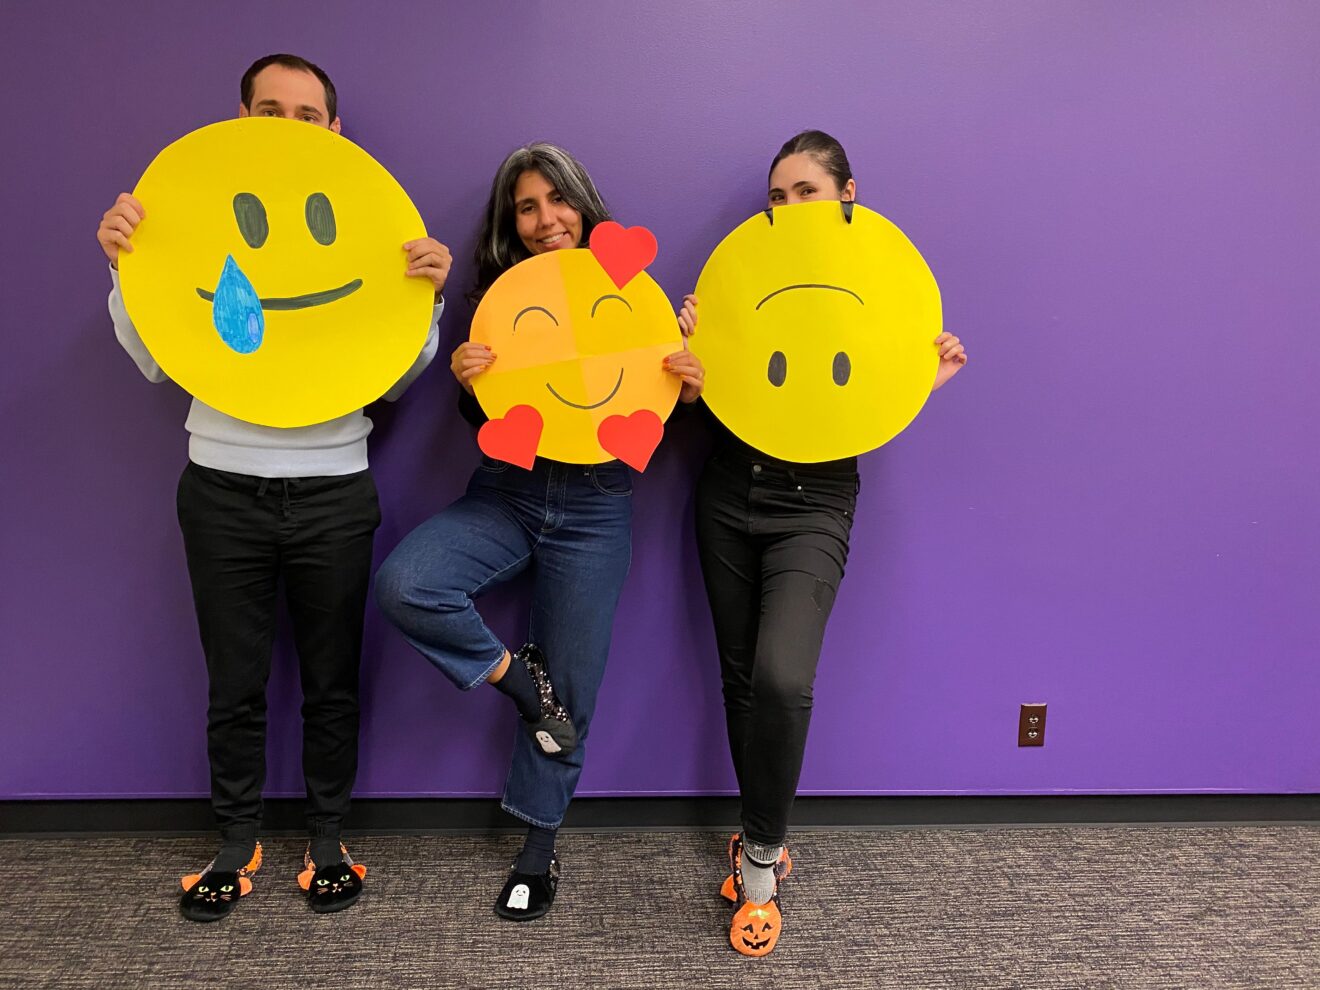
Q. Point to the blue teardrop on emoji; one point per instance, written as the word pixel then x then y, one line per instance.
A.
pixel 236 310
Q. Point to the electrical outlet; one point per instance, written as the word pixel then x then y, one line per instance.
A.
pixel 1031 725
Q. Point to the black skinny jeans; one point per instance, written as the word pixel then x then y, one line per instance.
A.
pixel 243 537
pixel 773 542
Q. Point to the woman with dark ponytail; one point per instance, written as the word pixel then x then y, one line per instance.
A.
pixel 772 537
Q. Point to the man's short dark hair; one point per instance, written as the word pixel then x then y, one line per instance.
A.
pixel 289 62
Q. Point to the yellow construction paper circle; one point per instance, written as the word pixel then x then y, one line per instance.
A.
pixel 811 300
pixel 315 226
pixel 575 347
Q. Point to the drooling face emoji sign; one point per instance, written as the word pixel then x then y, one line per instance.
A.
pixel 579 338
pixel 267 278
pixel 818 323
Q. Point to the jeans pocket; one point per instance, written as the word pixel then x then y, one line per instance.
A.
pixel 832 498
pixel 491 466
pixel 611 479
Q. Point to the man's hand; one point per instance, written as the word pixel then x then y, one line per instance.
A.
pixel 428 258
pixel 117 226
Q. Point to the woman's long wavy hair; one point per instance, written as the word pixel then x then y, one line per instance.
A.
pixel 499 247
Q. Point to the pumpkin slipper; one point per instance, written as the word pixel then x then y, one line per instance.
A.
pixel 756 927
pixel 528 895
pixel 783 867
pixel 332 887
pixel 212 894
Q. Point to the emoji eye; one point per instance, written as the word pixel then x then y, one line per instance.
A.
pixel 203 889
pixel 749 929
pixel 323 883
pixel 321 218
pixel 603 298
pixel 534 309
pixel 778 370
pixel 251 217
pixel 842 368
pixel 226 888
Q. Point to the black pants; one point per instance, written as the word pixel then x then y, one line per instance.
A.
pixel 773 543
pixel 243 536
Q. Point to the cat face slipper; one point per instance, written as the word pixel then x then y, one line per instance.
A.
pixel 212 894
pixel 333 887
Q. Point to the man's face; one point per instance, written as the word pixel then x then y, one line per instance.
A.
pixel 278 91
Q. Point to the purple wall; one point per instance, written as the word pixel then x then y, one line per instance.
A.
pixel 1112 510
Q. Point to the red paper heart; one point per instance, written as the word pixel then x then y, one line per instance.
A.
pixel 632 439
pixel 622 251
pixel 514 438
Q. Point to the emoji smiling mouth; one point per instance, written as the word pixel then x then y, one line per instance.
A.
pixel 303 301
pixel 809 285
pixel 594 405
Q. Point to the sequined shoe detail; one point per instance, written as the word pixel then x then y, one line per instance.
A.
pixel 755 928
pixel 528 895
pixel 210 896
pixel 553 733
pixel 783 867
pixel 333 887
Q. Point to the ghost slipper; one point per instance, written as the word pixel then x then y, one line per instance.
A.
pixel 212 894
pixel 755 928
pixel 553 733
pixel 528 895
pixel 783 867
pixel 333 887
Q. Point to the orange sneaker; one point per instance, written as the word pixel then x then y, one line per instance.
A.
pixel 210 895
pixel 782 869
pixel 755 928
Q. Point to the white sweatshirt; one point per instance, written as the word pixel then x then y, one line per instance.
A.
pixel 228 444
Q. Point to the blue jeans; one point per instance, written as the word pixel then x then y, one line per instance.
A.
pixel 570 523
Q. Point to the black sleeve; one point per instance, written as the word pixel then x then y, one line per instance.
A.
pixel 469 408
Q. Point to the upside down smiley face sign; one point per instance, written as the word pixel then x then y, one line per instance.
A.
pixel 817 330
pixel 580 337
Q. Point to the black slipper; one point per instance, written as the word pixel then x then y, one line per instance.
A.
pixel 334 887
pixel 212 896
pixel 554 732
pixel 528 895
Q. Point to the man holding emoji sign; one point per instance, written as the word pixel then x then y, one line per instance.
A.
pixel 266 282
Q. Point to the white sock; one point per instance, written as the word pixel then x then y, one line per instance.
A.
pixel 758 870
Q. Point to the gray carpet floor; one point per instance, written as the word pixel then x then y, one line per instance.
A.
pixel 1194 908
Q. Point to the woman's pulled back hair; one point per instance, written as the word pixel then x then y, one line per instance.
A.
pixel 827 152
pixel 499 247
